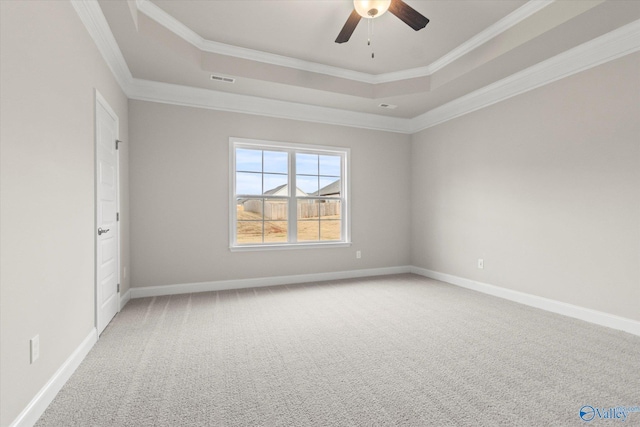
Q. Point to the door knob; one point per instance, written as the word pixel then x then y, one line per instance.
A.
pixel 100 231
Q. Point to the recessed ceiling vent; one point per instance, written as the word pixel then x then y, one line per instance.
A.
pixel 389 106
pixel 222 79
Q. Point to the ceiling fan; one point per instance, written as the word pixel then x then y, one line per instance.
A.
pixel 374 8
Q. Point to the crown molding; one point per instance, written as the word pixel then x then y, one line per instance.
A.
pixel 172 24
pixel 515 17
pixel 146 90
pixel 284 61
pixel 93 19
pixel 615 44
pixel 190 36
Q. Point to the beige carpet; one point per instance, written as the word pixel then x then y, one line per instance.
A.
pixel 386 351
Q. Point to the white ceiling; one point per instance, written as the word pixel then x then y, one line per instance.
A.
pixel 307 29
pixel 285 51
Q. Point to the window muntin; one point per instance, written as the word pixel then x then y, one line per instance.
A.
pixel 319 219
pixel 267 213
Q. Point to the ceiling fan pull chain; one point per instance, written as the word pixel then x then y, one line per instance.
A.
pixel 370 35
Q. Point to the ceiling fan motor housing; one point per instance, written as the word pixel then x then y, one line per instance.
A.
pixel 371 8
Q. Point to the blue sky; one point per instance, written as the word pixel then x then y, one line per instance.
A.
pixel 313 171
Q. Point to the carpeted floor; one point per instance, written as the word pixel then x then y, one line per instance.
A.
pixel 387 351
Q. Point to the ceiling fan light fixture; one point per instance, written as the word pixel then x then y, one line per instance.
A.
pixel 371 8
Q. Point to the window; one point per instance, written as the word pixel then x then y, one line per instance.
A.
pixel 287 195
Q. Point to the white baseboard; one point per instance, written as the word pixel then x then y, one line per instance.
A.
pixel 30 415
pixel 582 313
pixel 124 299
pixel 32 412
pixel 221 285
pixel 593 316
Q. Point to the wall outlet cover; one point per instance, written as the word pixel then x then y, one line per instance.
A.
pixel 34 346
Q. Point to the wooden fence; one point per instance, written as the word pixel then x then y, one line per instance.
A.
pixel 278 210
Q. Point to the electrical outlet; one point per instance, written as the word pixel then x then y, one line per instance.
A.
pixel 358 254
pixel 480 263
pixel 34 345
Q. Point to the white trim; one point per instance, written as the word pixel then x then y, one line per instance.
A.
pixel 169 22
pixel 93 19
pixel 190 36
pixel 615 44
pixel 289 246
pixel 36 407
pixel 221 285
pixel 592 316
pixel 102 102
pixel 172 24
pixel 588 315
pixel 395 76
pixel 146 90
pixel 34 410
pixel 284 61
pixel 292 197
pixel 515 17
pixel 124 299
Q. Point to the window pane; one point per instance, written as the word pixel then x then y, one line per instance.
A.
pixel 249 232
pixel 275 209
pixel 329 186
pixel 330 165
pixel 249 221
pixel 308 231
pixel 307 209
pixel 330 230
pixel 276 162
pixel 275 185
pixel 249 209
pixel 330 209
pixel 308 184
pixel 248 183
pixel 248 160
pixel 266 193
pixel 307 164
pixel 308 221
pixel 275 231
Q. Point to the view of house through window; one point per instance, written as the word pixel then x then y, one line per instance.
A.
pixel 287 194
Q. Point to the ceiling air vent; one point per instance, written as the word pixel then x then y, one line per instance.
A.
pixel 389 106
pixel 222 79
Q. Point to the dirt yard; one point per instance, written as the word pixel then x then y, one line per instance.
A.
pixel 249 229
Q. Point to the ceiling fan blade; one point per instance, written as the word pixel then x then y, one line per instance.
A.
pixel 408 15
pixel 349 27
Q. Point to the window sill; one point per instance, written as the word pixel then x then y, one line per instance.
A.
pixel 288 246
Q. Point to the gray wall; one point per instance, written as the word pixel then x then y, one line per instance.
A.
pixel 180 196
pixel 49 69
pixel 545 187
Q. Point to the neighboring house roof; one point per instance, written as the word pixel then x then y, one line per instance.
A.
pixel 283 190
pixel 278 190
pixel 332 189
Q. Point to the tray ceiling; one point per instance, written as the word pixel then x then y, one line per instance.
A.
pixel 285 50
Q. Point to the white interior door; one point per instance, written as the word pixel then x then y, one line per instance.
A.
pixel 107 233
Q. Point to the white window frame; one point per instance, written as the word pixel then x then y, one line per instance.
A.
pixel 292 149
